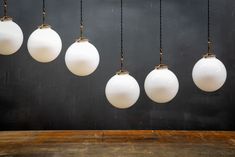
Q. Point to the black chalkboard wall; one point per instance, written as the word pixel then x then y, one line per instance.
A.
pixel 47 96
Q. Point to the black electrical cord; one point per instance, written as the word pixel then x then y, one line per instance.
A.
pixel 121 24
pixel 208 13
pixel 81 12
pixel 208 27
pixel 161 49
pixel 43 12
pixel 5 8
pixel 81 19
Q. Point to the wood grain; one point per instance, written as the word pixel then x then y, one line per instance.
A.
pixel 118 143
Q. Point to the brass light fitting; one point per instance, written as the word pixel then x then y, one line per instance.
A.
pixel 209 51
pixel 122 72
pixel 6 18
pixel 44 26
pixel 161 66
pixel 82 39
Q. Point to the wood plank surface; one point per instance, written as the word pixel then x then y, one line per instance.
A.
pixel 129 143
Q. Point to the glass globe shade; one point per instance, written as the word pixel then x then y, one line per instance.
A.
pixel 161 85
pixel 122 91
pixel 82 58
pixel 44 45
pixel 209 74
pixel 11 37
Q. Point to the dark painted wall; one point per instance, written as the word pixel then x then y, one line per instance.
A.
pixel 48 96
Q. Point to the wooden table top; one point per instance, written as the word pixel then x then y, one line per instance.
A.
pixel 129 143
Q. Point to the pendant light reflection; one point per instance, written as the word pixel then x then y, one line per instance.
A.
pixel 44 44
pixel 11 35
pixel 82 58
pixel 209 74
pixel 122 90
pixel 161 85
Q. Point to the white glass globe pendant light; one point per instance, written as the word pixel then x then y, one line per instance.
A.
pixel 44 44
pixel 82 58
pixel 209 74
pixel 11 35
pixel 122 90
pixel 161 85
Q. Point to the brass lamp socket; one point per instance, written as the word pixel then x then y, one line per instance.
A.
pixel 209 55
pixel 161 66
pixel 122 72
pixel 44 26
pixel 6 18
pixel 82 39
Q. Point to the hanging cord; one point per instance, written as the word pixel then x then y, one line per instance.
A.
pixel 208 16
pixel 5 17
pixel 81 19
pixel 43 12
pixel 44 25
pixel 209 50
pixel 5 8
pixel 161 50
pixel 161 65
pixel 122 54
